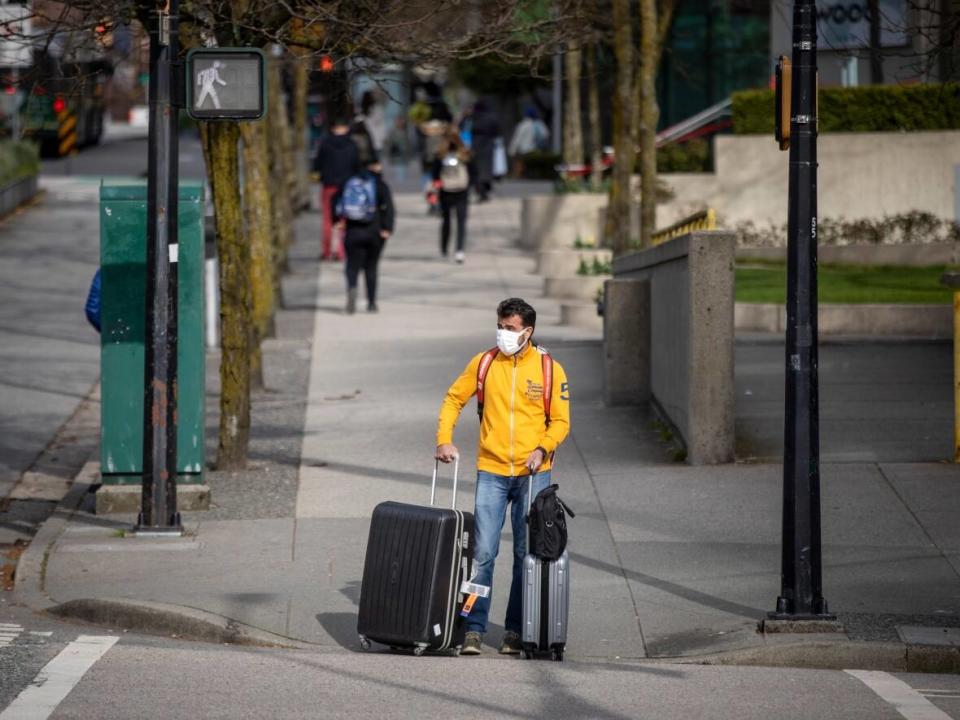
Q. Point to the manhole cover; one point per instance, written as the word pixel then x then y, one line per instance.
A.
pixel 918 635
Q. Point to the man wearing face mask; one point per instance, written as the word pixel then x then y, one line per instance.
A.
pixel 517 439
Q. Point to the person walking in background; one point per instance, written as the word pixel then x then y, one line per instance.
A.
pixel 531 134
pixel 366 152
pixel 336 160
pixel 371 112
pixel 452 171
pixel 485 131
pixel 365 207
pixel 398 148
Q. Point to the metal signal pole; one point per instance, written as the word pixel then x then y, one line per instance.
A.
pixel 158 514
pixel 801 595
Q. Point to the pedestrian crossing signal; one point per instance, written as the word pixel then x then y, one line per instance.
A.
pixel 226 84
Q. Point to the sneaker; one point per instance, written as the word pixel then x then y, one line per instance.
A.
pixel 459 257
pixel 372 308
pixel 472 644
pixel 510 645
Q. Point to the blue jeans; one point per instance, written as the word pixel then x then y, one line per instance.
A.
pixel 494 493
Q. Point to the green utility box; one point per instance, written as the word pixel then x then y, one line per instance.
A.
pixel 123 255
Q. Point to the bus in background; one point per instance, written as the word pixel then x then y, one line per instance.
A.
pixel 63 104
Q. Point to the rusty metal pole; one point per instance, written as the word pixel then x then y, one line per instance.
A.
pixel 158 514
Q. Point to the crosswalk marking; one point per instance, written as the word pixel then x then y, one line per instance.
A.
pixel 907 701
pixel 8 633
pixel 58 677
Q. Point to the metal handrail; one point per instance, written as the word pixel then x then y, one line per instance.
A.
pixel 703 220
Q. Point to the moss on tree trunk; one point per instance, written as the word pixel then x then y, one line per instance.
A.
pixel 257 213
pixel 235 298
pixel 572 124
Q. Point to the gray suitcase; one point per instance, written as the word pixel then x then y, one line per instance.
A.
pixel 546 601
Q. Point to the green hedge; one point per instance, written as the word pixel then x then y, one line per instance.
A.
pixel 18 160
pixel 691 156
pixel 875 108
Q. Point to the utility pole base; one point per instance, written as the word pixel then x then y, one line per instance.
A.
pixel 174 529
pixel 800 624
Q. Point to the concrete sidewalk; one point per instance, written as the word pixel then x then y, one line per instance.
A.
pixel 668 560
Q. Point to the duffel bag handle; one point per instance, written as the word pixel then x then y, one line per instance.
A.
pixel 456 476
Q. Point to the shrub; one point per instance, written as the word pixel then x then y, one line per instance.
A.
pixel 916 227
pixel 17 160
pixel 541 165
pixel 691 156
pixel 874 108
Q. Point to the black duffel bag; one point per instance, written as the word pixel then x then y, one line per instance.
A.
pixel 548 524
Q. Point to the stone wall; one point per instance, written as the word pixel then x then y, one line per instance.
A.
pixel 861 175
pixel 691 339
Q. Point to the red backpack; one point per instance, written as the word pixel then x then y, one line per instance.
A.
pixel 484 367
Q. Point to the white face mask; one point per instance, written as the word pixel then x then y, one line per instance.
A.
pixel 508 341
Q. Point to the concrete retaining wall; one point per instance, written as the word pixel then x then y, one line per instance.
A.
pixel 558 263
pixel 556 221
pixel 691 337
pixel 17 193
pixel 921 321
pixel 577 287
pixel 911 255
pixel 861 175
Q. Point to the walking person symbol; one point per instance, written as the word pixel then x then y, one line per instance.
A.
pixel 206 79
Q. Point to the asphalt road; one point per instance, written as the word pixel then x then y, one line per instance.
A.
pixel 51 669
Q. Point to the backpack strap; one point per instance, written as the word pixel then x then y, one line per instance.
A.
pixel 482 369
pixel 547 363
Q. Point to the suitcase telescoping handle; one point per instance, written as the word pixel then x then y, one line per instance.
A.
pixel 456 476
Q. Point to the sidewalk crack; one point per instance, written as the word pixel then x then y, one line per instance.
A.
pixel 903 501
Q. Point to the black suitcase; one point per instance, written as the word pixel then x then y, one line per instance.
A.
pixel 417 558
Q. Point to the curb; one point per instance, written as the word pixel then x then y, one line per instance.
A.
pixel 170 620
pixel 839 655
pixel 29 585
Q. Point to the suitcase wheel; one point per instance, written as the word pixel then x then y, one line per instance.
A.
pixel 556 654
pixel 364 643
pixel 528 654
pixel 419 650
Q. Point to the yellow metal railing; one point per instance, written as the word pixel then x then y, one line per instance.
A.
pixel 703 220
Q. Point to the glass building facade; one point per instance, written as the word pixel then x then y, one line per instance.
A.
pixel 714 48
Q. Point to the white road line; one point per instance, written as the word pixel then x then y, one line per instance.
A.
pixel 907 701
pixel 58 678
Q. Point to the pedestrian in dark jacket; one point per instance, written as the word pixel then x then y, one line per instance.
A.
pixel 336 160
pixel 453 173
pixel 369 224
pixel 485 130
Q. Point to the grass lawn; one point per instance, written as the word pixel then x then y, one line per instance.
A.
pixel 767 283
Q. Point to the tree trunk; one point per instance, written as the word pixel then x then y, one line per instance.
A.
pixel 277 129
pixel 301 87
pixel 257 213
pixel 617 229
pixel 593 98
pixel 572 124
pixel 235 307
pixel 649 117
pixel 655 20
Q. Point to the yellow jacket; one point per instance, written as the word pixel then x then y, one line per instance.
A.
pixel 514 421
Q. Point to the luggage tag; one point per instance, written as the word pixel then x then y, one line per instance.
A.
pixel 473 591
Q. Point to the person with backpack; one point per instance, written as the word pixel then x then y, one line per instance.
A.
pixel 365 208
pixel 523 400
pixel 335 161
pixel 531 134
pixel 452 174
